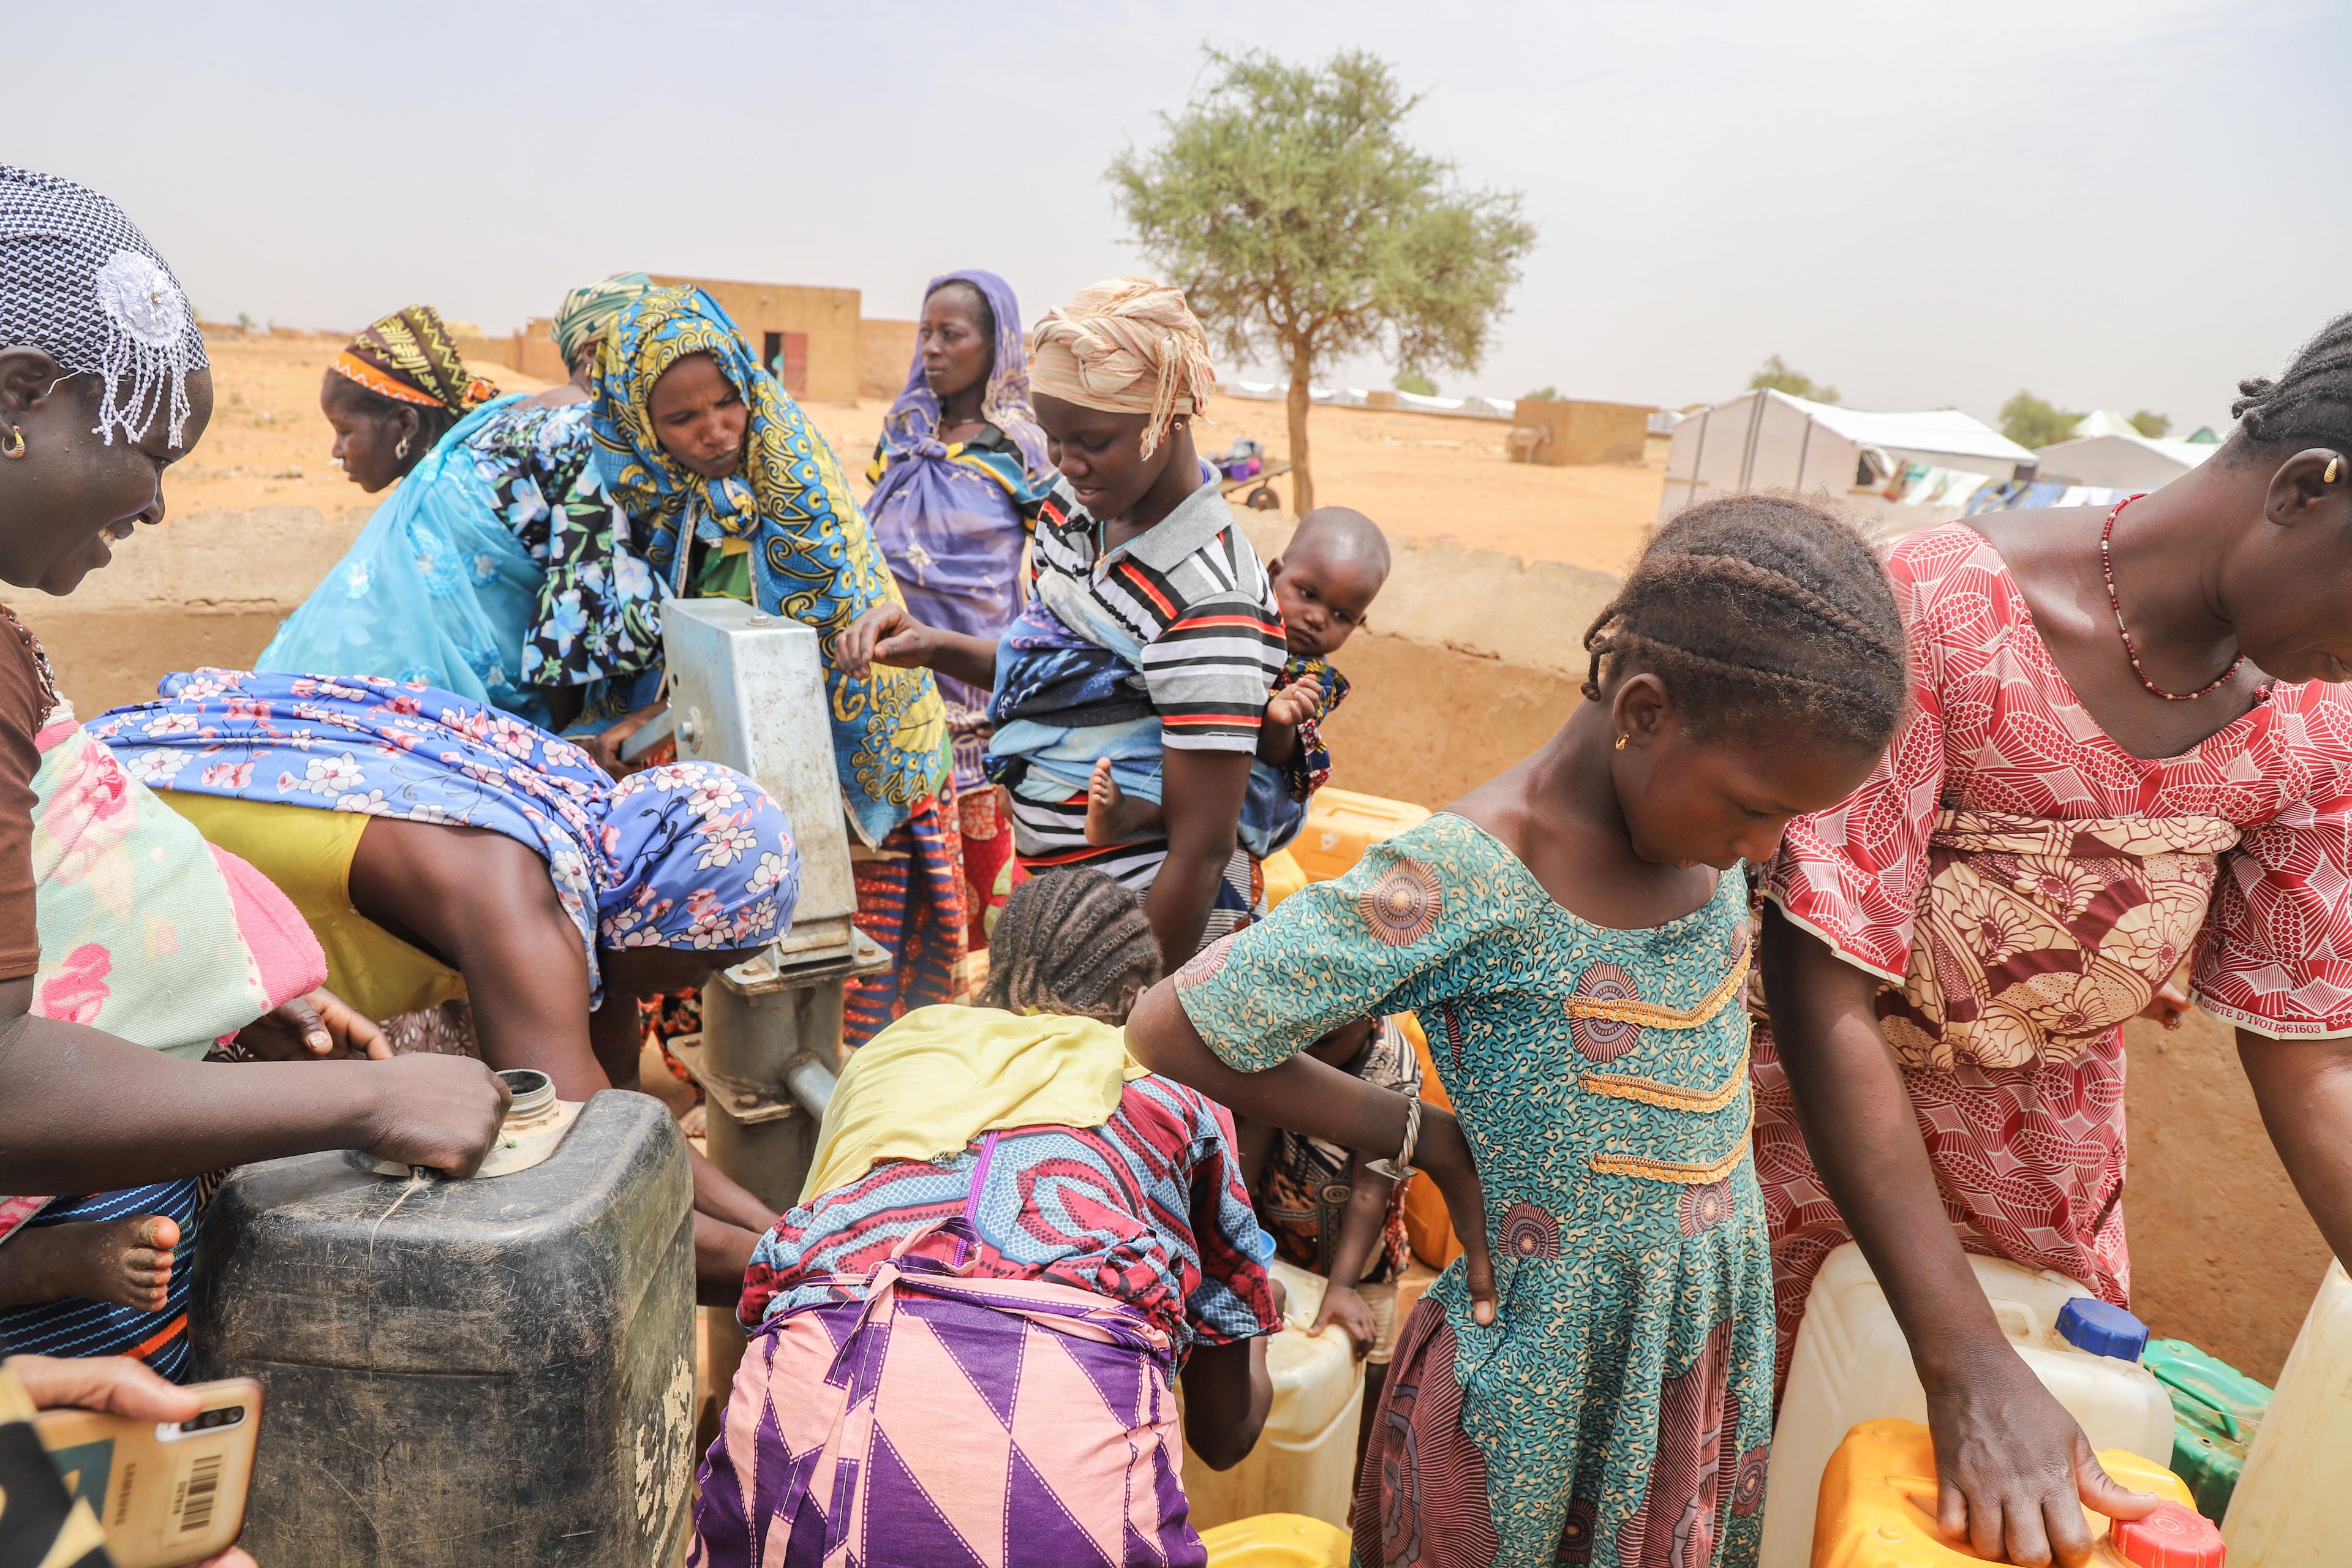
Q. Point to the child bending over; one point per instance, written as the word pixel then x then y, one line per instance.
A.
pixel 1011 1249
pixel 1324 584
pixel 1329 1214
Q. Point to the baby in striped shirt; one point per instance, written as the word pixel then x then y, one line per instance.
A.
pixel 1324 584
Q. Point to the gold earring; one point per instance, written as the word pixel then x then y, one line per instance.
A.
pixel 1620 742
pixel 401 451
pixel 2334 464
pixel 18 449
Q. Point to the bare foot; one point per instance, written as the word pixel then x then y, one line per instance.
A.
pixel 125 1261
pixel 1111 816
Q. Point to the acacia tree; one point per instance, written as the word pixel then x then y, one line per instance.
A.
pixel 1286 202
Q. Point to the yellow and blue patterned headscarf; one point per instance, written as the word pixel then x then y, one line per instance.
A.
pixel 813 556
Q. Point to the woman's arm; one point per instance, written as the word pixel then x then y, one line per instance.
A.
pixel 1226 1396
pixel 886 634
pixel 482 902
pixel 1201 801
pixel 2011 1462
pixel 1311 1097
pixel 2304 1087
pixel 82 1110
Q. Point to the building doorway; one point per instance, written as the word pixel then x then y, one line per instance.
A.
pixel 786 357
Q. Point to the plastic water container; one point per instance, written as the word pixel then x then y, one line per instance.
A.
pixel 1282 876
pixel 1341 824
pixel 1276 1540
pixel 1853 1365
pixel 2289 1508
pixel 1878 1509
pixel 1305 1461
pixel 465 1372
pixel 2216 1411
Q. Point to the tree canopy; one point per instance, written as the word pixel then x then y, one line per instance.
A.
pixel 2151 424
pixel 2030 421
pixel 1303 227
pixel 1412 381
pixel 1776 374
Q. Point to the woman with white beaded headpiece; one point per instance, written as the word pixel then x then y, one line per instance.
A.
pixel 128 950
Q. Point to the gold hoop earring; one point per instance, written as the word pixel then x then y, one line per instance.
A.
pixel 1620 742
pixel 2334 465
pixel 401 451
pixel 18 449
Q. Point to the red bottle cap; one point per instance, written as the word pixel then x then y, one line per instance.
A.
pixel 2171 1537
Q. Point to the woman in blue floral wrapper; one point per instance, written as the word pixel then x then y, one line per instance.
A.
pixel 733 494
pixel 439 849
pixel 958 474
pixel 499 569
pixel 1574 933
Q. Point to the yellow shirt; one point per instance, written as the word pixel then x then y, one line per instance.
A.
pixel 308 851
pixel 940 1076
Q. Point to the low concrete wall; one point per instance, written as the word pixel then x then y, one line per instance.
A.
pixel 1470 660
pixel 206 588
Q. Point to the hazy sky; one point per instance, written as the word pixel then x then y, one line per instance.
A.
pixel 2115 202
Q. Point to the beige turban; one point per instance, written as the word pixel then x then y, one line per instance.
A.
pixel 1127 345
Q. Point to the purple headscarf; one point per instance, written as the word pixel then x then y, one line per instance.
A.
pixel 952 526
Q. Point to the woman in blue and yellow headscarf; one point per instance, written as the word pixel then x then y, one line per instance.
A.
pixel 732 493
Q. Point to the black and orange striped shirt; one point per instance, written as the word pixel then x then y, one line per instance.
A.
pixel 1192 600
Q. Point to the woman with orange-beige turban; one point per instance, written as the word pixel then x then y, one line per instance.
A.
pixel 1151 638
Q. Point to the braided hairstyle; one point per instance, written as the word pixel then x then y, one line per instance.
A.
pixel 2310 404
pixel 1762 613
pixel 1071 941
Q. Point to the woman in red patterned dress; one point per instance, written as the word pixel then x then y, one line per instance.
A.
pixel 2080 805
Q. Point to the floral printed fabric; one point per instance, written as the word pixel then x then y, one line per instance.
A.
pixel 1997 730
pixel 1624 1395
pixel 690 855
pixel 2036 940
pixel 599 615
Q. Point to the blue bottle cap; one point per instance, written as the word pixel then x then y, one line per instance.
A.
pixel 2090 1324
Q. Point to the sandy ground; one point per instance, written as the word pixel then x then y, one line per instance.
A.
pixel 1419 476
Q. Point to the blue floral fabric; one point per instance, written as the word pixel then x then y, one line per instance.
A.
pixel 497 568
pixel 691 855
pixel 1623 1398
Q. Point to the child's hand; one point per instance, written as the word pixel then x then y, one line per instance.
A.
pixel 1345 1305
pixel 320 1027
pixel 1295 703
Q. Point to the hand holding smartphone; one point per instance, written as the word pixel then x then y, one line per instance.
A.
pixel 165 1492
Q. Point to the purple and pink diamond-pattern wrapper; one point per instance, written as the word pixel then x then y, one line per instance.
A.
pixel 962 1424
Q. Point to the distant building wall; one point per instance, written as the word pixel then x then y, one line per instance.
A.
pixel 1576 433
pixel 814 331
pixel 885 350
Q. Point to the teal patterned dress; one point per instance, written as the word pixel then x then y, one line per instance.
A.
pixel 1619 1407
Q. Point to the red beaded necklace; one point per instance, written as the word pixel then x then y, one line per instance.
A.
pixel 2107 569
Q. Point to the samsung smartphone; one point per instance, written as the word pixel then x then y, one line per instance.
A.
pixel 165 1492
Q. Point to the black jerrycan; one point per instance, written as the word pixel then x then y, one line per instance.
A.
pixel 498 1370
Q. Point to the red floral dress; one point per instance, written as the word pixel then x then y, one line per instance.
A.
pixel 2016 877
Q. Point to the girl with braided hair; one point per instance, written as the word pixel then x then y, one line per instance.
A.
pixel 2130 749
pixel 1011 1242
pixel 1595 1376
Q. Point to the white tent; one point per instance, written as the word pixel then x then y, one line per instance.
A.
pixel 2123 460
pixel 1770 441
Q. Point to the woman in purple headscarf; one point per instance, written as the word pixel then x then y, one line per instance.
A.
pixel 957 477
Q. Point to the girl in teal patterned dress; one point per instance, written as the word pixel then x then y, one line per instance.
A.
pixel 1598 1386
